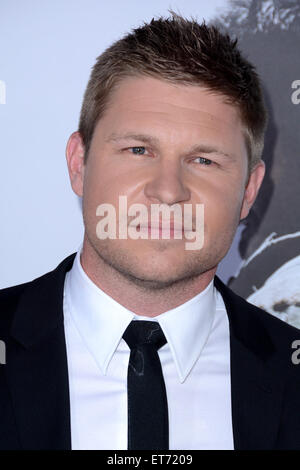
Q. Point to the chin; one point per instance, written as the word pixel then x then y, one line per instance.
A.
pixel 162 272
pixel 153 280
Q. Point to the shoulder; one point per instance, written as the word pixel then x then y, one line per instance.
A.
pixel 11 297
pixel 248 319
pixel 9 300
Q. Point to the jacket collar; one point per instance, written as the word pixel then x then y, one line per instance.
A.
pixel 35 320
pixel 245 322
pixel 258 373
pixel 36 367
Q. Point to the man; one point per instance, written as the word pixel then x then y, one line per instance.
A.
pixel 134 342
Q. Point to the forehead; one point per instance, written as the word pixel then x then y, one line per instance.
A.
pixel 148 94
pixel 174 113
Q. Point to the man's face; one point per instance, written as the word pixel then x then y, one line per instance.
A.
pixel 160 165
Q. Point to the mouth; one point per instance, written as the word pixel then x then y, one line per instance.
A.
pixel 158 228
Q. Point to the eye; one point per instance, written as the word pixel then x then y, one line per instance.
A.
pixel 137 150
pixel 204 161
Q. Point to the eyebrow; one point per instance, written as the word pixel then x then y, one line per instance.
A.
pixel 148 139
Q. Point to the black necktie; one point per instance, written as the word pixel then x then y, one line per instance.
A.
pixel 148 423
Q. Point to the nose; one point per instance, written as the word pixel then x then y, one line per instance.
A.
pixel 166 184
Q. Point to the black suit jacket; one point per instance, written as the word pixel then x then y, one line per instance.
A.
pixel 34 388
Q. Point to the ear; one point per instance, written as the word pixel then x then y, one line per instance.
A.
pixel 254 183
pixel 75 161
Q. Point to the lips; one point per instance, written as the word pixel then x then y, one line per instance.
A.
pixel 173 227
pixel 159 228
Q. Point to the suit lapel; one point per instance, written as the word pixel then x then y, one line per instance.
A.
pixel 37 369
pixel 257 375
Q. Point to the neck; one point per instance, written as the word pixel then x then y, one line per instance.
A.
pixel 140 300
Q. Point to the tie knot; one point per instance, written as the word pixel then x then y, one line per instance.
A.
pixel 141 332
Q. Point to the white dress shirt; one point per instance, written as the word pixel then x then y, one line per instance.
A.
pixel 195 363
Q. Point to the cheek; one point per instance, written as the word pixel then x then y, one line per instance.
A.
pixel 222 205
pixel 98 185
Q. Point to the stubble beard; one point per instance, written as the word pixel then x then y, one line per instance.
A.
pixel 128 266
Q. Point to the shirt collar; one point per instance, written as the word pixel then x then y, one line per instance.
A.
pixel 101 320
